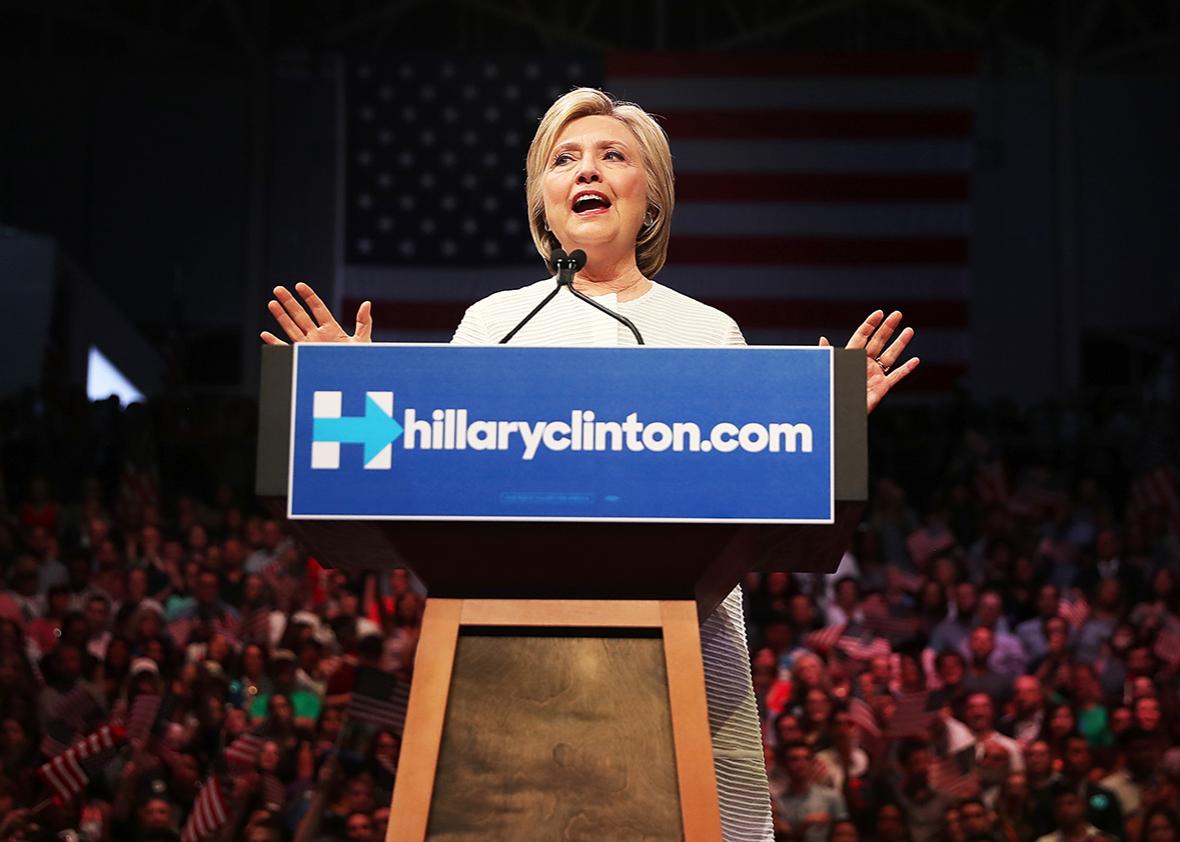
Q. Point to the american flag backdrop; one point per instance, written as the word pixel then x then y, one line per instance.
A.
pixel 811 188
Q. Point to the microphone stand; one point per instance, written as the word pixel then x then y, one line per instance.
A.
pixel 567 267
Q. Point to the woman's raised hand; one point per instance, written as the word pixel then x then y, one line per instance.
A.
pixel 320 325
pixel 872 335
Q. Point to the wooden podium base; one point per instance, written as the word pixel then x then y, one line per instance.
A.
pixel 557 719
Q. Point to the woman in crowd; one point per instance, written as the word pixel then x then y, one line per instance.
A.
pixel 599 179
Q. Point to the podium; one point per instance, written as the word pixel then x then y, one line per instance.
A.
pixel 558 685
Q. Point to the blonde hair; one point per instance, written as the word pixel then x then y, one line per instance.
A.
pixel 651 244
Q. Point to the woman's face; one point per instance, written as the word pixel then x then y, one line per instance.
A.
pixel 1147 713
pixel 280 707
pixel 596 157
pixel 235 721
pixel 12 735
pixel 818 706
pixel 252 663
pixel 788 729
pixel 268 756
pixel 808 671
pixel 1062 721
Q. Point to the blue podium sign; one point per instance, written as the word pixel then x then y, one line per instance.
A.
pixel 446 432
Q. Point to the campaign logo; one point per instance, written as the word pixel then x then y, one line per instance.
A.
pixel 376 429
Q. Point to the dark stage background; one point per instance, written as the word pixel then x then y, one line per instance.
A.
pixel 1004 172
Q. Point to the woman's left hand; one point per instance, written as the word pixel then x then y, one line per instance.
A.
pixel 872 335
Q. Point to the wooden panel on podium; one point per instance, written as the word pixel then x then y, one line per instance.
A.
pixel 571 719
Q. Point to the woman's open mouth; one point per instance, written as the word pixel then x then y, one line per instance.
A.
pixel 590 203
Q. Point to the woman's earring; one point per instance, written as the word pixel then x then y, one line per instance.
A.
pixel 546 225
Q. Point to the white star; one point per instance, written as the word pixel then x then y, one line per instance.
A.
pixel 364 157
pixel 512 138
pixel 490 247
pixel 405 71
pixel 365 201
pixel 511 225
pixel 427 225
pixel 491 113
pixel 448 70
pixel 426 137
pixel 385 93
pixel 450 114
pixel 449 247
pixel 512 91
pixel 426 180
pixel 406 247
pixel 364 71
pixel 448 158
pixel 364 246
pixel 469 181
pixel 575 70
pixel 385 137
pixel 406 201
pixel 490 159
pixel 511 182
pixel 427 93
pixel 470 226
pixel 409 114
pixel 490 203
pixel 470 137
pixel 367 114
pixel 384 180
pixel 490 70
pixel 532 70
pixel 406 158
pixel 449 203
pixel 384 224
pixel 469 91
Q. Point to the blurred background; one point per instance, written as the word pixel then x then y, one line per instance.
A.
pixel 1004 172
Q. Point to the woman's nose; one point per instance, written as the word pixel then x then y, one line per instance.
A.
pixel 588 171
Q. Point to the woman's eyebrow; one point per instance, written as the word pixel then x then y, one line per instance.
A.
pixel 602 144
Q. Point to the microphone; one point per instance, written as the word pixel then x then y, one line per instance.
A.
pixel 558 258
pixel 576 261
pixel 567 266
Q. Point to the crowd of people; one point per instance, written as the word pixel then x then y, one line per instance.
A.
pixel 996 658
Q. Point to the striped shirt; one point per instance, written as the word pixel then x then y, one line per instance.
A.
pixel 665 318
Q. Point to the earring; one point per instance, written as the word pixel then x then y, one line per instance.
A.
pixel 545 224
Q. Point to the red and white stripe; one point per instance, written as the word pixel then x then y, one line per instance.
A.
pixel 811 189
pixel 1074 612
pixel 209 812
pixel 910 717
pixel 861 713
pixel 947 776
pixel 242 753
pixel 822 640
pixel 64 774
pixel 145 708
pixel 858 649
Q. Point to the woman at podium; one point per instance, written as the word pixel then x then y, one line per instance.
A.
pixel 599 179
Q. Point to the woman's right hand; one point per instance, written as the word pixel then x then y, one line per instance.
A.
pixel 320 325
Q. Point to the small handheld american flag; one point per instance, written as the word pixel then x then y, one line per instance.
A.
pixel 69 772
pixel 379 698
pixel 210 812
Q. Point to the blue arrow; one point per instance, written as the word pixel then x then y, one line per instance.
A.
pixel 375 429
